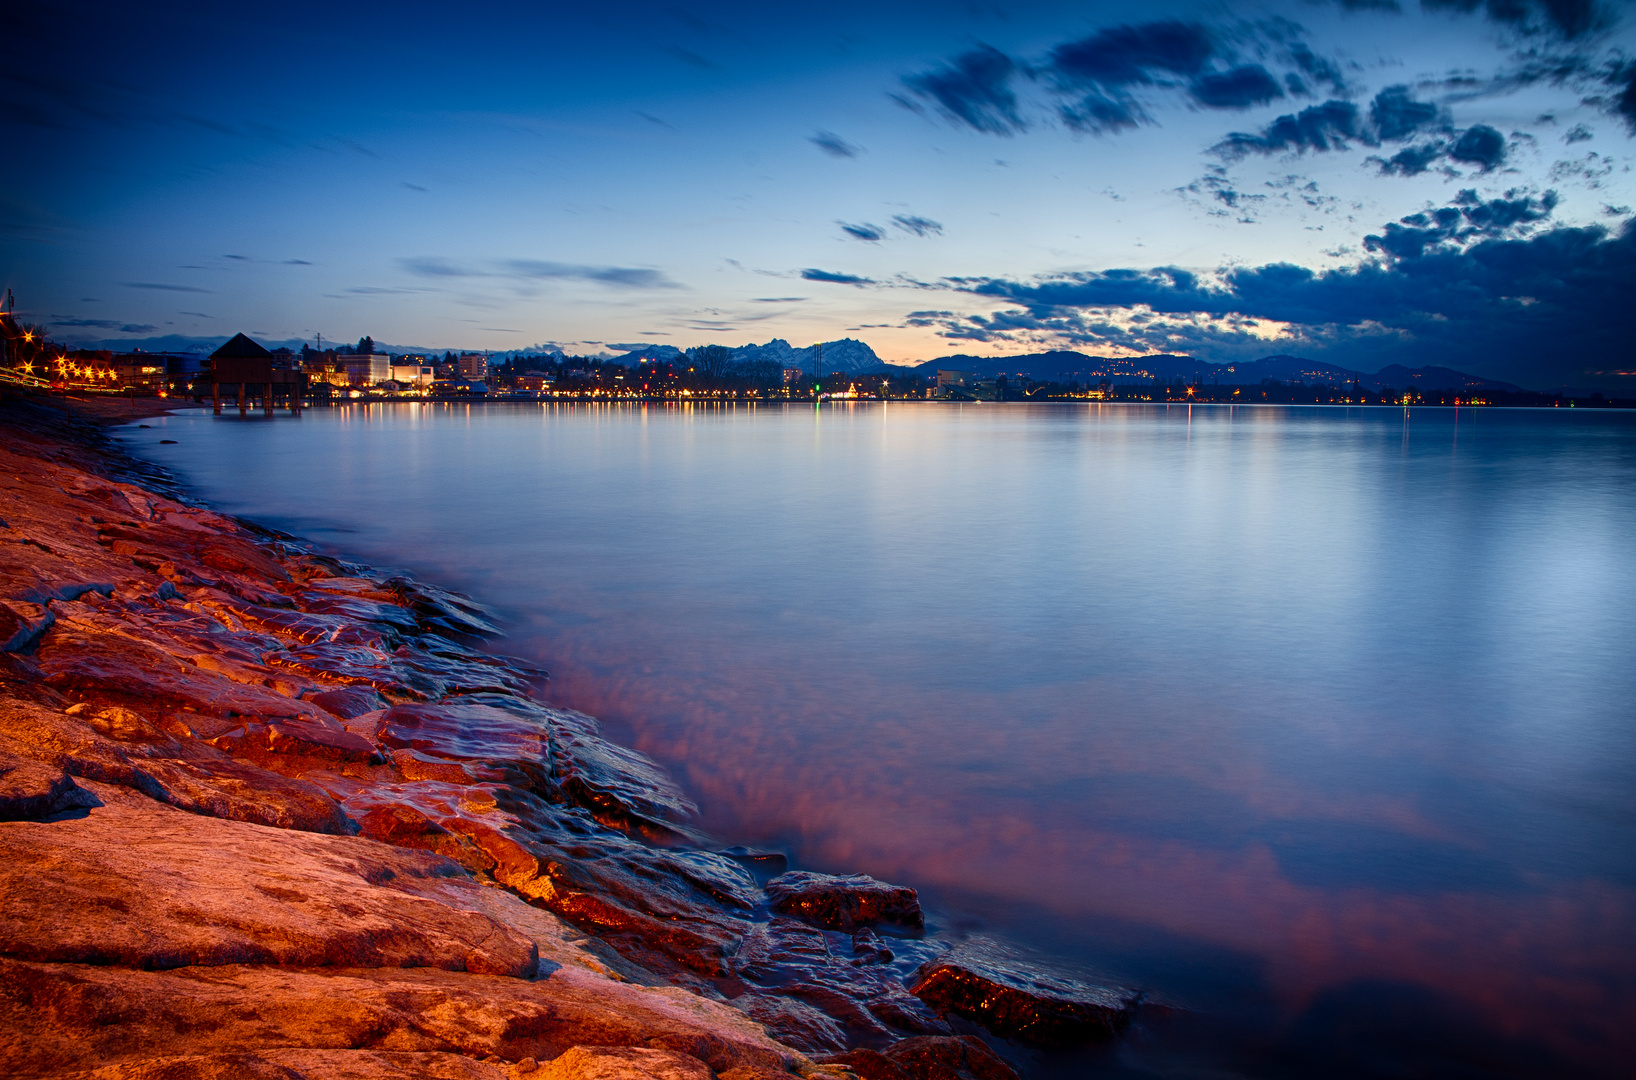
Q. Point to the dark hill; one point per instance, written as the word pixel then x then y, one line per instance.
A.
pixel 1066 366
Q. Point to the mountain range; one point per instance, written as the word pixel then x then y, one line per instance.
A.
pixel 1063 366
pixel 847 355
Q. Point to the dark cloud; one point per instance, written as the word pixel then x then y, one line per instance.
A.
pixel 1396 115
pixel 833 145
pixel 778 300
pixel 1099 82
pixel 1479 145
pixel 1412 160
pixel 1096 70
pixel 1567 18
pixel 1469 219
pixel 835 279
pixel 918 225
pixel 162 287
pixel 872 233
pixel 1578 133
pixel 1329 126
pixel 1317 68
pixel 974 89
pixel 1097 114
pixel 1625 105
pixel 296 262
pixel 1237 88
pixel 1123 55
pixel 1479 285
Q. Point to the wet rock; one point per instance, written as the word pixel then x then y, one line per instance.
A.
pixel 868 1064
pixel 662 909
pixel 949 1058
pixel 297 744
pixel 868 948
pixel 439 609
pixel 793 1022
pixel 1018 998
pixel 624 1063
pixel 227 553
pixel 30 790
pixel 90 664
pixel 844 903
pixel 763 864
pixel 142 885
pixel 799 962
pixel 404 826
pixel 348 702
pixel 469 730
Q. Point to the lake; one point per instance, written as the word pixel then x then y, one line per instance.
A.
pixel 1317 721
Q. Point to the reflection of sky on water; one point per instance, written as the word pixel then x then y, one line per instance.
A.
pixel 1294 702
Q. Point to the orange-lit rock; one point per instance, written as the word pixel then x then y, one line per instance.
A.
pixel 1019 999
pixel 844 903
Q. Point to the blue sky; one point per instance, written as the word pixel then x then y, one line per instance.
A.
pixel 1366 183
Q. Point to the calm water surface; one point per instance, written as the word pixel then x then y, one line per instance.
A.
pixel 1318 721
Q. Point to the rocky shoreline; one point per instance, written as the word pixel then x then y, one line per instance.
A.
pixel 267 813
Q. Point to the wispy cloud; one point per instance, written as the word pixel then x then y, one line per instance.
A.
pixel 834 278
pixel 162 286
pixel 973 89
pixel 871 233
pixel 919 226
pixel 621 277
pixel 835 146
pixel 105 324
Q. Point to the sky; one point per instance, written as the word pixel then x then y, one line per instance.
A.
pixel 1364 183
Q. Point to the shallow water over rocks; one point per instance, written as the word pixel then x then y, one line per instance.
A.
pixel 1316 720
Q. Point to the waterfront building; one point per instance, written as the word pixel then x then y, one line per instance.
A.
pixel 418 375
pixel 364 369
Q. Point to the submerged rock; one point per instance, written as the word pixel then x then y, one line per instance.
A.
pixel 844 903
pixel 1017 998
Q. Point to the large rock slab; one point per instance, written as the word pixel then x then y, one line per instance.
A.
pixel 1020 998
pixel 62 1018
pixel 146 886
pixel 844 903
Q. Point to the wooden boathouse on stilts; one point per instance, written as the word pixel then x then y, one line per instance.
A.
pixel 243 362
